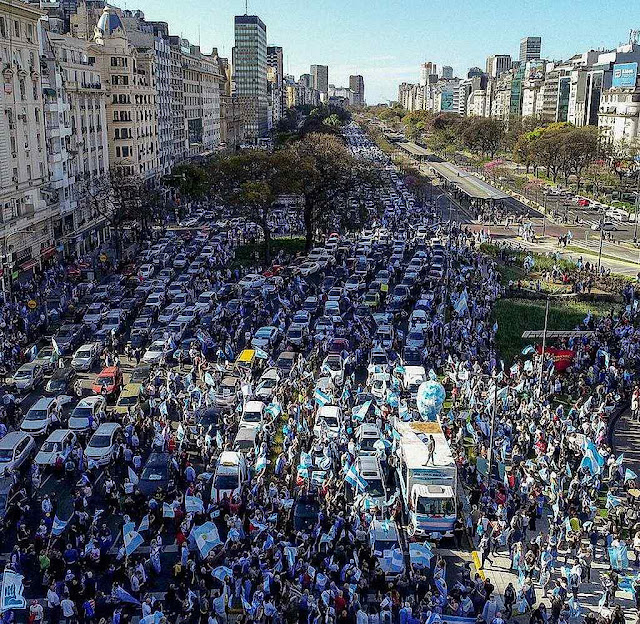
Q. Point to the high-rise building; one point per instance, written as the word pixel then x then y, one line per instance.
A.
pixel 306 80
pixel 498 64
pixel 426 70
pixel 250 73
pixel 356 84
pixel 275 63
pixel 530 48
pixel 320 75
pixel 447 72
pixel 275 80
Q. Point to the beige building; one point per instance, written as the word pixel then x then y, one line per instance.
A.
pixel 25 214
pixel 132 116
pixel 77 139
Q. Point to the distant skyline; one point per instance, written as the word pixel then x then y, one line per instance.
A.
pixel 386 42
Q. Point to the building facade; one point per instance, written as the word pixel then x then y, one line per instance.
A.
pixel 250 73
pixel 320 80
pixel 25 210
pixel 356 84
pixel 530 49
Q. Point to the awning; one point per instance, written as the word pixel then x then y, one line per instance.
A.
pixel 28 264
pixel 49 91
pixel 47 252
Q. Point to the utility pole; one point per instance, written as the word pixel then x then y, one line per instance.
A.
pixel 544 346
pixel 602 239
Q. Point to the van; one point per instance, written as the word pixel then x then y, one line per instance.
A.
pixel 101 447
pixel 329 420
pixel 231 473
pixel 245 440
pixel 367 434
pixel 228 392
pixel 369 468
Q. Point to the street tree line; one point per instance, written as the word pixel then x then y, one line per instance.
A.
pixel 317 167
pixel 560 150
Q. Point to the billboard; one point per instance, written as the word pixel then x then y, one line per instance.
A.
pixel 624 75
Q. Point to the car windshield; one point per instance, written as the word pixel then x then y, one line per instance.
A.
pixel 23 373
pixel 269 383
pixel 387 544
pixel 100 441
pixel 65 333
pixel 82 412
pixel 252 417
pixel 155 472
pixel 51 447
pixel 36 414
pixel 435 506
pixel 295 333
pixel 83 353
pixel 226 482
pixel 105 381
pixel 375 487
pixel 128 400
pixel 6 455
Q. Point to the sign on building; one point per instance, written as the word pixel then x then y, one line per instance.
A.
pixel 624 75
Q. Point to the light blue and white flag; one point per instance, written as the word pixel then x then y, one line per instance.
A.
pixel 133 477
pixel 144 524
pixel 123 595
pixel 168 511
pixel 12 589
pixel 420 554
pixel 193 504
pixel 355 479
pixel 528 350
pixel 132 541
pixel 262 355
pixel 206 537
pixel 222 572
pixel 629 475
pixel 58 526
pixel 321 398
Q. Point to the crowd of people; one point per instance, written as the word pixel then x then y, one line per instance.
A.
pixel 293 542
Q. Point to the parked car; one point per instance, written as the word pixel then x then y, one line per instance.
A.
pixel 156 474
pixel 101 447
pixel 108 382
pixel 28 376
pixel 87 414
pixel 16 447
pixel 61 381
pixel 56 448
pixel 40 417
pixel 86 356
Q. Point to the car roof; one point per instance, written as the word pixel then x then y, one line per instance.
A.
pixel 108 427
pixel 109 370
pixel 90 401
pixel 42 403
pixel 13 438
pixel 58 435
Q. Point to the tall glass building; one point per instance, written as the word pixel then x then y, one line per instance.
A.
pixel 250 73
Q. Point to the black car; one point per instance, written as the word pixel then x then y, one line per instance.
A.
pixel 305 512
pixel 412 357
pixel 156 474
pixel 69 338
pixel 61 381
pixel 140 374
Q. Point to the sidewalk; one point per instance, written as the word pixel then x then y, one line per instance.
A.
pixel 589 594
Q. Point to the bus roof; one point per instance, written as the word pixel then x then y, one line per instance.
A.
pixel 413 444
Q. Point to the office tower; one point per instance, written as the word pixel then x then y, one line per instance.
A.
pixel 426 70
pixel 356 84
pixel 320 75
pixel 497 64
pixel 530 48
pixel 447 72
pixel 250 73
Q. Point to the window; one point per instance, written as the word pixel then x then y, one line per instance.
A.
pixel 3 28
pixel 17 28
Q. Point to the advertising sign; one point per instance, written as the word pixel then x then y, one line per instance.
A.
pixel 624 75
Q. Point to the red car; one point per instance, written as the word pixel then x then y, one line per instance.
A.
pixel 108 382
pixel 584 202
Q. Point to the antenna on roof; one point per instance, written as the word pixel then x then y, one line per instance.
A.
pixel 634 34
pixel 246 7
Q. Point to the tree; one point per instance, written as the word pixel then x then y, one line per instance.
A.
pixel 327 175
pixel 579 148
pixel 483 135
pixel 191 180
pixel 121 199
pixel 250 182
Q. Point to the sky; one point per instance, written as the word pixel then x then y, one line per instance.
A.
pixel 386 41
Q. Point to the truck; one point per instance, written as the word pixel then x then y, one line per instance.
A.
pixel 428 488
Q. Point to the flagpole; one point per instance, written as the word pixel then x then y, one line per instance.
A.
pixel 544 346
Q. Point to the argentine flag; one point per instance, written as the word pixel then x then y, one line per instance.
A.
pixel 355 479
pixel 321 398
pixel 59 526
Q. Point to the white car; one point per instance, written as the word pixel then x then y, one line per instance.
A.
pixel 204 301
pixel 146 271
pixel 265 337
pixel 101 447
pixel 169 313
pixel 87 414
pixel 267 385
pixel 251 280
pixel 328 421
pixel 85 357
pixel 333 366
pixel 57 446
pixel 309 268
pixel 180 261
pixel 154 353
pixel 607 226
pixel 28 376
pixel 231 473
pixel 15 449
pixel 40 416
pixel 252 414
pixel 94 314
